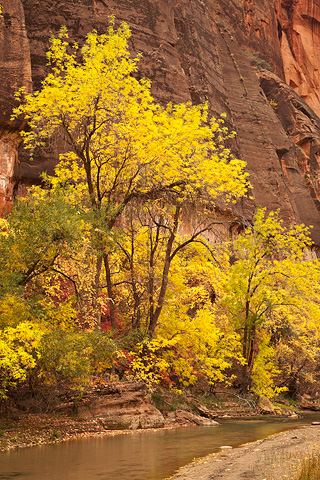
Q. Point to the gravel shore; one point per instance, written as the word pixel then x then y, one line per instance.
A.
pixel 277 457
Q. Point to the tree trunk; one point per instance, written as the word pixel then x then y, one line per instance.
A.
pixel 96 291
pixel 249 334
pixel 112 310
pixel 165 275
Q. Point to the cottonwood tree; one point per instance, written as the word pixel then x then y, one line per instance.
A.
pixel 122 147
pixel 268 293
pixel 155 234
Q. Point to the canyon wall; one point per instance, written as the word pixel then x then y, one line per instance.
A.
pixel 15 72
pixel 256 60
pixel 300 41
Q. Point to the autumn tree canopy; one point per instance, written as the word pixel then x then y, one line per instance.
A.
pixel 123 147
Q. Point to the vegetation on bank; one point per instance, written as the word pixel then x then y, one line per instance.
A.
pixel 119 265
pixel 310 468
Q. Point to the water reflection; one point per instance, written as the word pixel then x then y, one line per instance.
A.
pixel 140 456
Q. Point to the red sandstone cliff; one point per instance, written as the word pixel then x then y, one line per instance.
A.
pixel 199 50
pixel 15 71
pixel 300 43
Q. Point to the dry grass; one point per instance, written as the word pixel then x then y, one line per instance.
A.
pixel 310 468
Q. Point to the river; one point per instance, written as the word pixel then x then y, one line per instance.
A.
pixel 144 455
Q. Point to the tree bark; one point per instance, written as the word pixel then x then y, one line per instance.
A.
pixel 165 274
pixel 96 290
pixel 112 310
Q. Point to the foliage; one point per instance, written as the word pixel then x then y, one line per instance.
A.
pixel 149 364
pixel 19 349
pixel 259 62
pixel 268 292
pixel 264 370
pixel 98 272
pixel 273 104
pixel 120 140
pixel 148 249
pixel 36 234
pixel 205 350
pixel 206 344
pixel 42 337
pixel 123 149
pixel 20 337
pixel 297 358
pixel 192 343
pixel 75 356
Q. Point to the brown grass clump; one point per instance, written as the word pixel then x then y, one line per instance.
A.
pixel 310 468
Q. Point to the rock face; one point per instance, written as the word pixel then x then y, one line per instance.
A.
pixel 15 72
pixel 301 162
pixel 121 406
pixel 300 40
pixel 203 50
pixel 9 143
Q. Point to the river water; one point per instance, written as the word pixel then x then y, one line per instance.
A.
pixel 146 455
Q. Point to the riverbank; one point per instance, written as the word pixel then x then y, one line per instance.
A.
pixel 277 457
pixel 123 408
pixel 30 429
pixel 106 410
pixel 27 430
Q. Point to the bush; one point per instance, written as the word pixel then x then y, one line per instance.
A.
pixel 258 62
pixel 75 356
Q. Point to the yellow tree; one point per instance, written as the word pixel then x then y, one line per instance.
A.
pixel 120 145
pixel 268 291
pixel 148 248
pixel 193 344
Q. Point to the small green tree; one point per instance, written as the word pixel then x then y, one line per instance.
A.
pixel 42 227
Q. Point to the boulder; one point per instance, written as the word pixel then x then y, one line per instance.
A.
pixel 184 416
pixel 310 406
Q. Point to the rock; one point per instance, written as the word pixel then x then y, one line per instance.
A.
pixel 315 423
pixel 310 406
pixel 310 403
pixel 301 154
pixel 184 416
pixel 225 447
pixel 9 143
pixel 15 64
pixel 120 406
pixel 266 407
pixel 205 412
pixel 171 417
pixel 15 72
pixel 133 421
pixel 300 40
